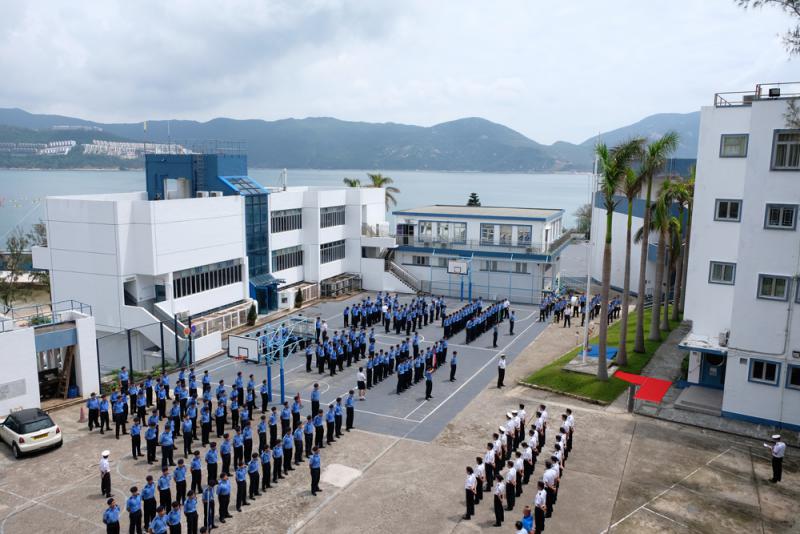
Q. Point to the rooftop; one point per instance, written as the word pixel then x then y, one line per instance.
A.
pixel 763 91
pixel 494 212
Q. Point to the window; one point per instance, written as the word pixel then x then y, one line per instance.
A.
pixel 786 150
pixel 459 233
pixel 728 210
pixel 332 251
pixel 442 262
pixel 424 230
pixel 505 234
pixel 198 279
pixel 333 216
pixel 286 220
pixel 443 232
pixel 764 371
pixel 490 265
pixel 773 287
pixel 780 217
pixel 722 273
pixel 421 260
pixel 286 258
pixel 733 146
pixel 520 267
pixel 793 377
pixel 487 234
pixel 524 236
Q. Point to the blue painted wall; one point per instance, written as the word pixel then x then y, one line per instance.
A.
pixel 202 170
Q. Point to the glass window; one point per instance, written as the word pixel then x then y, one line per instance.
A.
pixel 420 260
pixel 487 234
pixel 786 150
pixel 773 287
pixel 780 217
pixel 286 220
pixel 722 273
pixel 793 378
pixel 459 232
pixel 443 232
pixel 764 371
pixel 733 146
pixel 332 216
pixel 441 262
pixel 286 258
pixel 728 210
pixel 524 236
pixel 521 267
pixel 505 234
pixel 328 252
pixel 490 265
pixel 424 230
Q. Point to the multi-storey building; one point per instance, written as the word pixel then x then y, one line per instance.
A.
pixel 743 293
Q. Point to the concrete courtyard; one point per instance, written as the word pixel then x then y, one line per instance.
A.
pixel 627 473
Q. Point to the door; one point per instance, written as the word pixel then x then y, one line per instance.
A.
pixel 712 371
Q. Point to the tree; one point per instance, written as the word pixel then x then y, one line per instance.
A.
pixel 379 180
pixel 37 237
pixel 690 187
pixel 631 186
pixel 352 182
pixel 613 165
pixel 10 289
pixel 252 315
pixel 653 159
pixel 681 193
pixel 791 39
pixel 473 200
pixel 583 219
pixel 298 299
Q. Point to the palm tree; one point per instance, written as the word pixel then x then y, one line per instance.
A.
pixel 690 190
pixel 661 222
pixel 379 180
pixel 631 186
pixel 352 182
pixel 653 159
pixel 673 251
pixel 613 166
pixel 681 193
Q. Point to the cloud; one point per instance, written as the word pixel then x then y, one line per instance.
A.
pixel 551 71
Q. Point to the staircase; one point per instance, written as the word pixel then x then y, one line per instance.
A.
pixel 66 372
pixel 408 279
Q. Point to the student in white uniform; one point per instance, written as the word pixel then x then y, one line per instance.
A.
pixel 511 482
pixel 519 467
pixel 501 371
pixel 469 491
pixel 498 492
pixel 549 478
pixel 480 478
pixel 778 449
pixel 540 508
pixel 527 458
pixel 488 465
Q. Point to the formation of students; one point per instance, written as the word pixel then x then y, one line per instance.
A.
pixel 238 462
pixel 564 308
pixel 509 462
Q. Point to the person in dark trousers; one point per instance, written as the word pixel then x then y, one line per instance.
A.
pixel 429 384
pixel 501 371
pixel 469 491
pixel 190 511
pixel 494 336
pixel 499 492
pixel 224 497
pixel 241 487
pixel 111 517
pixel 208 505
pixel 134 507
pixel 778 450
pixel 349 404
pixel 453 364
pixel 314 465
pixel 149 500
pixel 511 319
pixel 105 474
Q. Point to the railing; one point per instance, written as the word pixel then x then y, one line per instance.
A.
pixel 763 91
pixel 476 245
pixel 403 275
pixel 40 314
pixel 375 230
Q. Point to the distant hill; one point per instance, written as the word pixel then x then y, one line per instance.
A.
pixel 469 144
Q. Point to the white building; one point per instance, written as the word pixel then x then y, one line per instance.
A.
pixel 505 252
pixel 743 293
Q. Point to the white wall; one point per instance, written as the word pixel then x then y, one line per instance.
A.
pixel 19 382
pixel 86 373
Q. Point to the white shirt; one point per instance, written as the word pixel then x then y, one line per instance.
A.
pixel 544 416
pixel 361 377
pixel 519 464
pixel 510 428
pixel 480 472
pixel 571 421
pixel 516 421
pixel 499 488
pixel 511 476
pixel 105 467
pixel 470 482
pixel 503 439
pixel 559 455
pixel 522 416
pixel 498 445
pixel 567 311
pixel 534 441
pixel 778 450
pixel 541 498
pixel 522 531
pixel 324 326
pixel 549 478
pixel 539 424
pixel 502 363
pixel 527 453
pixel 488 458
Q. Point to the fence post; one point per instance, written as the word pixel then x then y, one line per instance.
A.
pixel 175 327
pixel 99 376
pixel 163 356
pixel 130 351
pixel 189 326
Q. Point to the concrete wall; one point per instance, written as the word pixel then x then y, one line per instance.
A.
pixel 19 382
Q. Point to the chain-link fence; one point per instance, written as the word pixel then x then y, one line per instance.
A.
pixel 519 290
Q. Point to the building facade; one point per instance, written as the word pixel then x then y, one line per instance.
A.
pixel 491 252
pixel 743 293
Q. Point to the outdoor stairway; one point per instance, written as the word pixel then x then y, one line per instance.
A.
pixel 700 400
pixel 406 278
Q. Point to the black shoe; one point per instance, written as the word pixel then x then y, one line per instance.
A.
pixel 238 510
pixel 245 504
pixel 222 520
pixel 465 517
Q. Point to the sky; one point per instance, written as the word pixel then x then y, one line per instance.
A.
pixel 551 70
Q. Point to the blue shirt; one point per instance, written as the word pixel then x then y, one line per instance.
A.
pixel 159 524
pixel 196 465
pixel 308 428
pixel 287 441
pixel 285 414
pixel 164 481
pixel 330 417
pixel 266 456
pixel 238 441
pixel 314 462
pixel 179 473
pixel 252 466
pixel 208 493
pixel 277 452
pixel 211 456
pixel 134 503
pixel 241 474
pixel 93 403
pixel 225 447
pixel 174 517
pixel 190 506
pixel 166 439
pixel 149 491
pixel 349 401
pixel 298 434
pixel 111 515
pixel 224 487
pixel 136 429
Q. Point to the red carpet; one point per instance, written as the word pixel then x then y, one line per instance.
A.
pixel 650 389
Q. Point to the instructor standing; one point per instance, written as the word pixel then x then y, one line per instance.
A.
pixel 501 371
pixel 778 449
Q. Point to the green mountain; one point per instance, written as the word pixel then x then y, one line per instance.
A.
pixel 470 144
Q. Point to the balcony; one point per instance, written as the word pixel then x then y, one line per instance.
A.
pixel 377 235
pixel 763 91
pixel 442 245
pixel 41 314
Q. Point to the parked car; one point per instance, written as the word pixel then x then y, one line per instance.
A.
pixel 30 430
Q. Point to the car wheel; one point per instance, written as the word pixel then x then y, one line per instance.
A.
pixel 60 443
pixel 15 451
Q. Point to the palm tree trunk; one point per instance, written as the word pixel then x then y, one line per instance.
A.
pixel 638 345
pixel 655 330
pixel 676 297
pixel 622 352
pixel 602 370
pixel 665 317
pixel 686 255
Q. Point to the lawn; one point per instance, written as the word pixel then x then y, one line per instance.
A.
pixel 553 377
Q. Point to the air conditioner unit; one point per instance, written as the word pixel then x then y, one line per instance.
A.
pixel 723 338
pixel 748 99
pixel 215 193
pixel 201 194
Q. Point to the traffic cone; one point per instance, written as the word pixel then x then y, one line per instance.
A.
pixel 83 416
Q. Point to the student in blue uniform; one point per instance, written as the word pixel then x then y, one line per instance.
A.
pixel 315 464
pixel 266 472
pixel 190 511
pixel 349 404
pixel 196 470
pixel 208 505
pixel 174 518
pixel 111 517
pixel 179 475
pixel 134 507
pixel 241 486
pixel 253 474
pixel 224 497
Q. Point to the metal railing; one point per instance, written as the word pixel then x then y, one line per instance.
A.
pixel 763 91
pixel 475 244
pixel 403 275
pixel 40 314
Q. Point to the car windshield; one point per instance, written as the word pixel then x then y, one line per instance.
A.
pixel 36 426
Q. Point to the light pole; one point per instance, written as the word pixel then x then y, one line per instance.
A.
pixel 590 188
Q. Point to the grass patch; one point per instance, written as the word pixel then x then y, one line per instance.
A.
pixel 554 377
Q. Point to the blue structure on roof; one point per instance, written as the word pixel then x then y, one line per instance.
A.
pixel 226 173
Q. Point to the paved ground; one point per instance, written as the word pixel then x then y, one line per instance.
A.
pixel 627 473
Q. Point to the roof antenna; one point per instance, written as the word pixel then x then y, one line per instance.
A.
pixel 284 179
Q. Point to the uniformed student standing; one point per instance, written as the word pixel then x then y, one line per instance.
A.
pixel 501 371
pixel 224 497
pixel 349 405
pixel 190 511
pixel 253 474
pixel 208 505
pixel 174 518
pixel 540 508
pixel 266 471
pixel 111 517
pixel 429 384
pixel 105 475
pixel 149 500
pixel 453 364
pixel 778 449
pixel 241 487
pixel 470 488
pixel 159 523
pixel 134 507
pixel 179 475
pixel 164 491
pixel 499 492
pixel 314 465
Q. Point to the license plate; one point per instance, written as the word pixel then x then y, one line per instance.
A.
pixel 40 436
